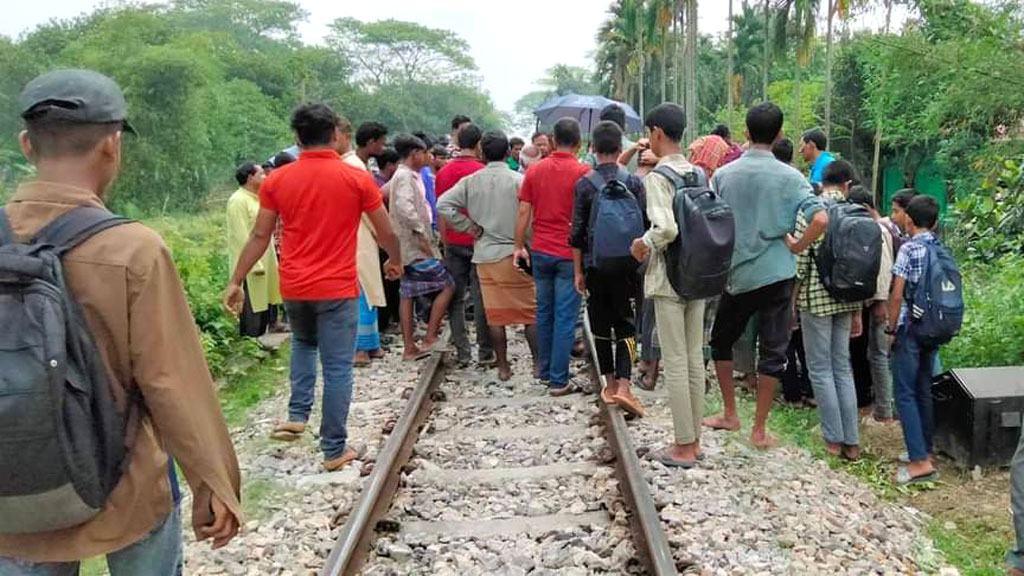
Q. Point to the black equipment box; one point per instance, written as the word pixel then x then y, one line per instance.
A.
pixel 978 414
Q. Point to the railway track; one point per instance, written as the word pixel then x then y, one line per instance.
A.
pixel 485 477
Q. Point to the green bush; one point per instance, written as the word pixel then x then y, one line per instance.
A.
pixel 993 331
pixel 197 243
pixel 990 220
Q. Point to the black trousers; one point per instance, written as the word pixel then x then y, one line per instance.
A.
pixel 389 313
pixel 610 308
pixel 796 383
pixel 252 324
pixel 771 304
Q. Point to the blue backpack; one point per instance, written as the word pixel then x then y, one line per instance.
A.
pixel 936 301
pixel 615 221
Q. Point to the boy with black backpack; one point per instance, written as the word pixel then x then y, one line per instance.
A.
pixel 925 312
pixel 680 317
pixel 608 214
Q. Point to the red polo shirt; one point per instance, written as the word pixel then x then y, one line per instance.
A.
pixel 320 200
pixel 549 187
pixel 446 179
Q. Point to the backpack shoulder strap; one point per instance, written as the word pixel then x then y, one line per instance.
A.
pixel 680 181
pixel 596 180
pixel 76 226
pixel 6 232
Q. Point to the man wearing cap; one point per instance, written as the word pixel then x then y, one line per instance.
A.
pixel 131 298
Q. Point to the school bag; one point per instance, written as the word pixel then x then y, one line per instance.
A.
pixel 850 255
pixel 936 301
pixel 63 443
pixel 615 221
pixel 699 259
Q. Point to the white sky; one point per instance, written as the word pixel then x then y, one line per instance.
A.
pixel 512 42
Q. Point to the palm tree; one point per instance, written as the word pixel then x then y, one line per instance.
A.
pixel 620 53
pixel 730 72
pixel 660 15
pixel 690 99
pixel 801 16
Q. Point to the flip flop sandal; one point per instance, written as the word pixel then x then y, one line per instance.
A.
pixel 903 477
pixel 417 357
pixel 666 460
pixel 288 432
pixel 642 382
pixel 361 363
pixel 351 454
pixel 606 398
pixel 569 388
pixel 631 405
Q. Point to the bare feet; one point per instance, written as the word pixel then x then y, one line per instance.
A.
pixel 362 359
pixel 851 453
pixel 722 423
pixel 504 373
pixel 413 353
pixel 763 440
pixel 625 399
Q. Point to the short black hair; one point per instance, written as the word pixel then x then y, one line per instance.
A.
pixel 764 122
pixel 427 140
pixel 282 159
pixel 537 135
pixel 670 118
pixel 606 138
pixel 567 132
pixel 515 141
pixel 861 195
pixel 439 151
pixel 923 211
pixel 459 120
pixel 817 137
pixel 406 144
pixel 903 197
pixel 314 124
pixel 244 171
pixel 387 156
pixel 469 137
pixel 57 138
pixel 614 113
pixel 723 131
pixel 494 145
pixel 839 172
pixel 370 131
pixel 783 150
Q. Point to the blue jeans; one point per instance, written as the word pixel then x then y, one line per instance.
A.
pixel 158 554
pixel 827 347
pixel 558 306
pixel 1015 558
pixel 912 379
pixel 330 327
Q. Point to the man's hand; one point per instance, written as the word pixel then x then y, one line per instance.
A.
pixel 858 325
pixel 648 158
pixel 233 299
pixel 639 250
pixel 793 244
pixel 477 232
pixel 392 270
pixel 880 313
pixel 580 282
pixel 521 255
pixel 225 525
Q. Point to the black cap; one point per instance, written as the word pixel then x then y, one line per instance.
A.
pixel 75 96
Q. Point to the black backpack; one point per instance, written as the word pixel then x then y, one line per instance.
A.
pixel 63 443
pixel 615 221
pixel 699 259
pixel 850 255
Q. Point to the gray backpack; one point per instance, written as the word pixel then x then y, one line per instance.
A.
pixel 699 259
pixel 63 443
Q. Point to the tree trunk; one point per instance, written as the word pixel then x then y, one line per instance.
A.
pixel 664 67
pixel 767 44
pixel 680 49
pixel 798 127
pixel 691 71
pixel 729 71
pixel 640 77
pixel 828 75
pixel 677 31
pixel 875 181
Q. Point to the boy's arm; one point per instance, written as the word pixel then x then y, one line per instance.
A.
pixel 522 223
pixel 896 302
pixel 577 264
pixel 451 205
pixel 814 230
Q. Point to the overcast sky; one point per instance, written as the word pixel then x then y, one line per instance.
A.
pixel 512 42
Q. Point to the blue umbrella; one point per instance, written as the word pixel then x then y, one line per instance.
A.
pixel 586 109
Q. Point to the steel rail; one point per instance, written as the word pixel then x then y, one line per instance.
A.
pixel 353 544
pixel 648 534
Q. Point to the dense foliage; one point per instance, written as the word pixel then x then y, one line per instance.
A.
pixel 211 83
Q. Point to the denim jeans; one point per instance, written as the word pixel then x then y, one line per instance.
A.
pixel 158 554
pixel 459 261
pixel 327 326
pixel 558 307
pixel 1016 556
pixel 912 380
pixel 881 368
pixel 827 346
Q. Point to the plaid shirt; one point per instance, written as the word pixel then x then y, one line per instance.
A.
pixel 813 296
pixel 910 265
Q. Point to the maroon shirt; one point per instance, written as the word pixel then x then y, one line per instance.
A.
pixel 446 179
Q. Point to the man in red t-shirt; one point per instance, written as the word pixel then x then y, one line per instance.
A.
pixel 458 254
pixel 320 200
pixel 546 198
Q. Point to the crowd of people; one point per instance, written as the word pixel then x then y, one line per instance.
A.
pixel 350 228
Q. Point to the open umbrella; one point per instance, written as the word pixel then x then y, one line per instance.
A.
pixel 586 109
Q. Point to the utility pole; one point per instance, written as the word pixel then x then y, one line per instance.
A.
pixel 691 71
pixel 828 75
pixel 730 73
